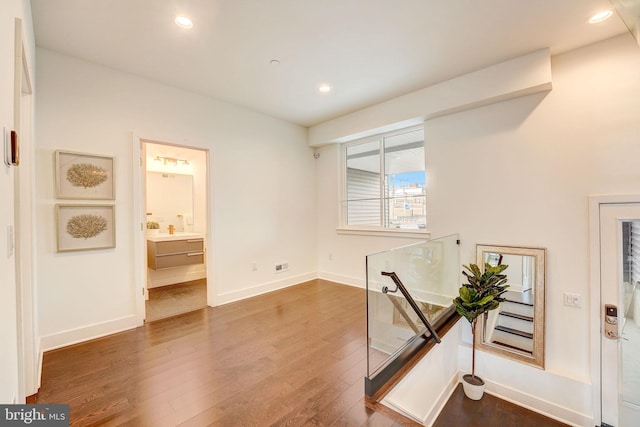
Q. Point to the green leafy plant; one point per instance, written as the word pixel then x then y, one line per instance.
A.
pixel 481 294
pixel 152 225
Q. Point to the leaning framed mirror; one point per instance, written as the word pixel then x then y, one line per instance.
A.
pixel 516 329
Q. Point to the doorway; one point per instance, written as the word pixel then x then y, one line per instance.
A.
pixel 22 234
pixel 619 313
pixel 175 208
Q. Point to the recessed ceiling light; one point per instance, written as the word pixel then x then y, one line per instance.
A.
pixel 184 22
pixel 324 88
pixel 600 16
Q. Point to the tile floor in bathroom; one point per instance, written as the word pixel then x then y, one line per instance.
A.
pixel 171 300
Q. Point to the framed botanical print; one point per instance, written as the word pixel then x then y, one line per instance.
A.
pixel 84 176
pixel 85 227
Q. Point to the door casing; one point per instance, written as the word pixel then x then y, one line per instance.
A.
pixel 139 217
pixel 595 311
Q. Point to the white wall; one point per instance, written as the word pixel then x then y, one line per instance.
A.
pixel 519 173
pixel 9 10
pixel 261 182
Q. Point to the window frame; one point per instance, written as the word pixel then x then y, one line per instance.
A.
pixel 343 227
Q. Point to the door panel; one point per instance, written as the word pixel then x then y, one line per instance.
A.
pixel 620 351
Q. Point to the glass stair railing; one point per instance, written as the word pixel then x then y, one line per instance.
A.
pixel 409 297
pixel 412 303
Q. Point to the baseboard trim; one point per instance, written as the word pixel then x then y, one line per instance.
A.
pixel 343 280
pixel 86 333
pixel 437 406
pixel 422 400
pixel 442 400
pixel 263 288
pixel 536 404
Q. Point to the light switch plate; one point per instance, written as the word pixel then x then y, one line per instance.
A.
pixel 10 241
pixel 572 300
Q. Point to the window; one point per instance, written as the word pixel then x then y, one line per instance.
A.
pixel 395 199
pixel 631 251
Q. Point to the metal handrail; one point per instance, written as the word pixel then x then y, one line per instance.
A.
pixel 411 302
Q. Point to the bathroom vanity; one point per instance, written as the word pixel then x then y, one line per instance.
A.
pixel 174 250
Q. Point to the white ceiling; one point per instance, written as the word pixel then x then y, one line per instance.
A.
pixel 368 50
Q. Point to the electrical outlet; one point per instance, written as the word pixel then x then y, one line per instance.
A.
pixel 283 266
pixel 330 256
pixel 254 266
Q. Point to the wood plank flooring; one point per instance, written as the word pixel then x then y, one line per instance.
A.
pixel 295 357
pixel 488 411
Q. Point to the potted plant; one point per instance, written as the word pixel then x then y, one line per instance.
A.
pixel 153 227
pixel 481 294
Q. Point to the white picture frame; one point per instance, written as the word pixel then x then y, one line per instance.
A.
pixel 85 227
pixel 84 176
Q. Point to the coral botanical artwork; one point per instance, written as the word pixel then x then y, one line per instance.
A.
pixel 86 175
pixel 86 226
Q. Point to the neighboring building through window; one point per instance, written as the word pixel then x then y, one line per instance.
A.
pixel 394 199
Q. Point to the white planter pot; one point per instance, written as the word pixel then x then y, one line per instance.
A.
pixel 473 390
pixel 153 231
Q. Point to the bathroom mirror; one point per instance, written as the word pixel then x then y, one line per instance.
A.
pixel 170 200
pixel 515 329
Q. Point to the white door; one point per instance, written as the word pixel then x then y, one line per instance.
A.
pixel 620 288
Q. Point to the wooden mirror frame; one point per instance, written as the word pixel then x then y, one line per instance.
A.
pixel 536 357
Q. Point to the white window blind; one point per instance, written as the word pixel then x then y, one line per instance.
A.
pixel 635 251
pixel 385 181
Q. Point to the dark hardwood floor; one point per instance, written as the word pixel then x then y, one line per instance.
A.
pixel 488 411
pixel 294 357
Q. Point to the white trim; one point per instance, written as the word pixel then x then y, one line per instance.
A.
pixel 264 288
pixel 40 359
pixel 420 235
pixel 442 400
pixel 24 219
pixel 380 230
pixel 139 276
pixel 342 279
pixel 569 400
pixel 594 283
pixel 423 400
pixel 139 217
pixel 86 333
pixel 538 405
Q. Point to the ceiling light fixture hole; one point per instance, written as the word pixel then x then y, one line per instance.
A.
pixel 324 88
pixel 184 22
pixel 601 17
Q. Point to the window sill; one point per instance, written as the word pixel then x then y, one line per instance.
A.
pixel 409 234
